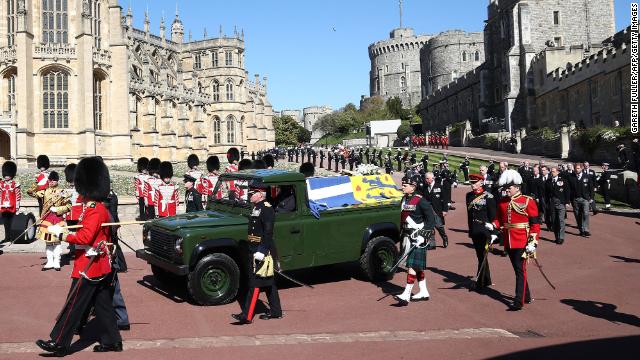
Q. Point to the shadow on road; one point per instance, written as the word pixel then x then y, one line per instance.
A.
pixel 467 245
pixel 175 292
pixel 625 259
pixel 464 282
pixel 618 347
pixel 602 310
pixel 321 275
pixel 458 230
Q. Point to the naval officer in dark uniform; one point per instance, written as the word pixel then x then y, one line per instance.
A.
pixel 481 208
pixel 262 257
pixel 192 198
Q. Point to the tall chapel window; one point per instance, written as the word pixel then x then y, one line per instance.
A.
pixel 231 130
pixel 11 90
pixel 216 130
pixel 215 88
pixel 198 62
pixel 229 89
pixel 55 27
pixel 11 22
pixel 214 59
pixel 55 99
pixel 97 103
pixel 95 23
pixel 228 58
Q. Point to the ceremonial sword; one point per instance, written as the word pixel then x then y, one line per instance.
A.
pixel 484 261
pixel 292 279
pixel 543 274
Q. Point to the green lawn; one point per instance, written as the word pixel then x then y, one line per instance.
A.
pixel 334 139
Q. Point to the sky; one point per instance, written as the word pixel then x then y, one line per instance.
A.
pixel 314 52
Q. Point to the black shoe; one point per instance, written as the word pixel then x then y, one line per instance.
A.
pixel 516 306
pixel 52 347
pixel 401 302
pixel 529 301
pixel 559 241
pixel 586 233
pixel 504 253
pixel 117 347
pixel 45 269
pixel 445 243
pixel 57 269
pixel 126 327
pixel 240 319
pixel 269 316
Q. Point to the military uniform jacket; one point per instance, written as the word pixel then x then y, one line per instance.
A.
pixel 167 200
pixel 435 196
pixel 419 209
pixel 139 182
pixel 517 217
pixel 604 181
pixel 465 165
pixel 90 234
pixel 10 196
pixel 557 191
pixel 582 187
pixel 537 188
pixel 481 209
pixel 193 200
pixel 261 221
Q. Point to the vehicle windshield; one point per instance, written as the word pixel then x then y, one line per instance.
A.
pixel 233 192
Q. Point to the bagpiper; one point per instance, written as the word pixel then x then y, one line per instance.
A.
pixel 517 218
pixel 417 222
pixel 167 199
pixel 54 205
pixel 10 196
pixel 42 179
pixel 262 258
pixel 481 209
pixel 150 187
pixel 139 182
pixel 92 275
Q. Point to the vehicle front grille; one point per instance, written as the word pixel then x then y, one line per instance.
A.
pixel 163 244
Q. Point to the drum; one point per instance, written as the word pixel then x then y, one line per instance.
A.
pixel 19 225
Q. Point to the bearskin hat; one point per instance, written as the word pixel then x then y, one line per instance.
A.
pixel 213 163
pixel 269 160
pixel 166 170
pixel 307 169
pixel 193 161
pixel 143 164
pixel 9 168
pixel 70 172
pixel 42 161
pixel 92 180
pixel 259 164
pixel 154 165
pixel 53 176
pixel 510 177
pixel 233 154
pixel 245 164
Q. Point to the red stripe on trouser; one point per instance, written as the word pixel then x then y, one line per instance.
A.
pixel 252 307
pixel 420 275
pixel 524 287
pixel 411 278
pixel 75 296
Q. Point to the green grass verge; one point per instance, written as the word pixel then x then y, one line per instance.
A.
pixel 334 139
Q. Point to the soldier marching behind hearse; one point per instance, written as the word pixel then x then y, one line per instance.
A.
pixel 481 209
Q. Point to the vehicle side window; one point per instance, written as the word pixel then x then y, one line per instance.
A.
pixel 283 199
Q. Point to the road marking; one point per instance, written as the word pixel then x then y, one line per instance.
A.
pixel 288 339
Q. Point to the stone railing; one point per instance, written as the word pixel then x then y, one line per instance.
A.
pixel 54 51
pixel 176 92
pixel 8 54
pixel 102 57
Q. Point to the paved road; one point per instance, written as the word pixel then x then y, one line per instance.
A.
pixel 597 298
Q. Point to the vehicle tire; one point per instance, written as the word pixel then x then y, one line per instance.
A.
pixel 215 280
pixel 165 277
pixel 378 258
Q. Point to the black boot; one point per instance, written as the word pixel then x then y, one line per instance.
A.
pixel 445 242
pixel 52 347
pixel 117 347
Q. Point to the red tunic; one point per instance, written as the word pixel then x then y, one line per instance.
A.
pixel 167 200
pixel 42 180
pixel 517 217
pixel 150 187
pixel 91 233
pixel 76 205
pixel 139 182
pixel 10 196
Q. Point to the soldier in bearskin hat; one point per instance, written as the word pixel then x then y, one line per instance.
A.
pixel 258 164
pixel 193 162
pixel 206 184
pixel 150 187
pixel 91 275
pixel 140 180
pixel 269 161
pixel 55 204
pixel 417 222
pixel 233 157
pixel 167 199
pixel 42 179
pixel 10 196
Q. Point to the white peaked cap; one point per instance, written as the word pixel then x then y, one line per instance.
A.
pixel 510 177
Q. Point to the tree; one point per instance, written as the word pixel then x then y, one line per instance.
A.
pixel 286 129
pixel 403 131
pixel 304 135
pixel 394 106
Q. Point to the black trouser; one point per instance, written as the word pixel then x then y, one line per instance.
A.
pixel 465 171
pixel 151 212
pixel 480 244
pixel 350 166
pixel 399 165
pixel 7 219
pixel 336 166
pixel 520 268
pixel 440 228
pixel 88 294
pixel 605 195
pixel 249 307
pixel 141 209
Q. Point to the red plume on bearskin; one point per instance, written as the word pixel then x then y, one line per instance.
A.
pixel 154 165
pixel 143 164
pixel 166 170
pixel 92 179
pixel 193 161
pixel 268 159
pixel 213 163
pixel 9 168
pixel 233 154
pixel 70 172
pixel 42 161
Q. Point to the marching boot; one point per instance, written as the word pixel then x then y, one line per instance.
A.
pixel 404 298
pixel 423 294
pixel 445 242
pixel 117 347
pixel 51 347
pixel 49 264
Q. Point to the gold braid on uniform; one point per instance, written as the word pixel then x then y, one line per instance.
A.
pixel 519 208
pixel 478 199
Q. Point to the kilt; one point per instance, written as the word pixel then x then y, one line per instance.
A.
pixel 417 258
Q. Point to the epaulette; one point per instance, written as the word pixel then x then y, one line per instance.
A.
pixel 266 203
pixel 91 204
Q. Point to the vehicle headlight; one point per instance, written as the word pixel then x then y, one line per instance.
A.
pixel 179 246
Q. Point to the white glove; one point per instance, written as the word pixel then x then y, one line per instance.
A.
pixel 53 209
pixel 489 226
pixel 91 252
pixel 531 248
pixel 418 240
pixel 55 229
pixel 494 239
pixel 455 184
pixel 258 256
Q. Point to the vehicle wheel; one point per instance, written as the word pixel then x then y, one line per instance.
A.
pixel 378 258
pixel 215 280
pixel 164 276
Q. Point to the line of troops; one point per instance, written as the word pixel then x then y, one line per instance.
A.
pixel 433 140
